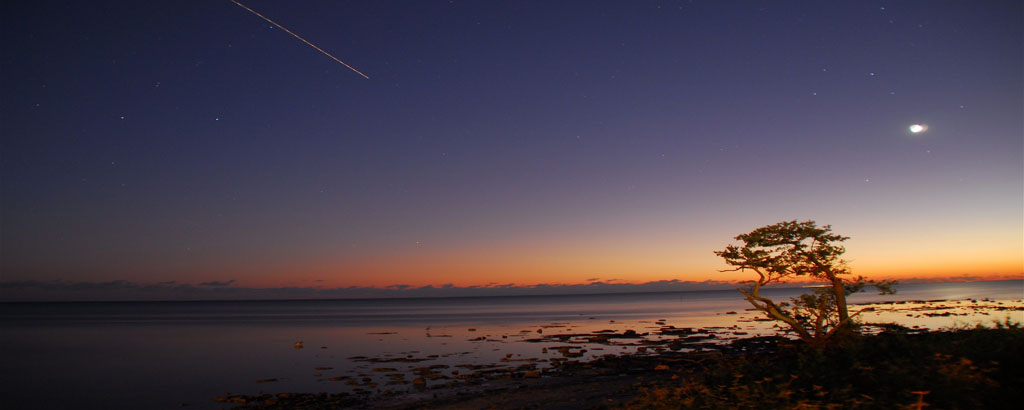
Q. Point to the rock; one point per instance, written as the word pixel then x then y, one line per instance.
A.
pixel 670 330
pixel 533 374
pixel 230 399
pixel 298 345
pixel 661 367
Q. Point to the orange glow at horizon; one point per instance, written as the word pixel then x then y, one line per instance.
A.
pixel 639 254
pixel 569 280
pixel 485 269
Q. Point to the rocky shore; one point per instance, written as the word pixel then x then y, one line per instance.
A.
pixel 668 363
pixel 608 381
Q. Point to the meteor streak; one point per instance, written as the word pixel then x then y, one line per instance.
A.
pixel 299 37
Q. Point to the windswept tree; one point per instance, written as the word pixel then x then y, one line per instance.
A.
pixel 800 250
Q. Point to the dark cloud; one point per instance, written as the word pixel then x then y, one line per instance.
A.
pixel 217 284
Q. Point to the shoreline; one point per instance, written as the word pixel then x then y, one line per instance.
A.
pixel 609 380
pixel 602 381
pixel 119 359
pixel 962 359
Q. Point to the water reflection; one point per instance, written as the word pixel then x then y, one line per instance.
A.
pixel 160 355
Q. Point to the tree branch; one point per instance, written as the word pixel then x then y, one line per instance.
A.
pixel 774 311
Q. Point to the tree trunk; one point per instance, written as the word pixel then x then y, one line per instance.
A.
pixel 840 291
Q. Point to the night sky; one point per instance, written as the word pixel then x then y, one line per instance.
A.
pixel 502 143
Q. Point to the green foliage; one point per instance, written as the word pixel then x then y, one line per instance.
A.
pixel 973 368
pixel 792 249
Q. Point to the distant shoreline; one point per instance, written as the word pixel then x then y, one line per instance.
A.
pixel 539 291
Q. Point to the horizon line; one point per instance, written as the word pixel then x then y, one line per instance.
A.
pixel 172 291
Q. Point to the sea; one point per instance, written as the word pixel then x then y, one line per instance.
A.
pixel 164 355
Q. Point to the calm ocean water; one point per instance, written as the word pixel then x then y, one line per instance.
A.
pixel 157 355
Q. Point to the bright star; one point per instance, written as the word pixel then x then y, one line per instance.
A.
pixel 918 128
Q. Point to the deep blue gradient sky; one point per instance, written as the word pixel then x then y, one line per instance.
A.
pixel 518 142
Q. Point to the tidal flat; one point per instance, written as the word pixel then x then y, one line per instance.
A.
pixel 163 355
pixel 667 366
